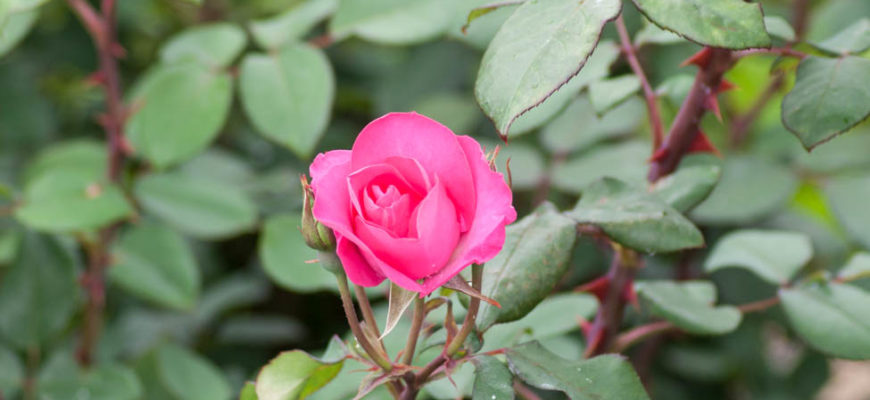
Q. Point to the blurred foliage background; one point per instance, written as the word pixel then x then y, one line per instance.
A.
pixel 239 290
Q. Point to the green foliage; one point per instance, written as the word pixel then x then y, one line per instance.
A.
pixel 731 24
pixel 492 380
pixel 543 239
pixel 689 306
pixel 295 374
pixel 831 317
pixel 527 60
pixel 829 97
pixel 634 218
pixel 39 292
pixel 173 244
pixel 288 95
pixel 155 263
pixel 609 376
pixel 774 256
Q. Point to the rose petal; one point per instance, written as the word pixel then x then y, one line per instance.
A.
pixel 384 175
pixel 433 145
pixel 355 266
pixel 437 232
pixel 485 237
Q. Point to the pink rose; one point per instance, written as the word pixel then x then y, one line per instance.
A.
pixel 411 202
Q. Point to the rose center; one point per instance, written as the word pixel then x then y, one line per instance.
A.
pixel 389 207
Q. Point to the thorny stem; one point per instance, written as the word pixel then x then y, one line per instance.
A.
pixel 368 314
pixel 642 332
pixel 655 118
pixel 101 26
pixel 416 324
pixel 607 321
pixel 416 381
pixel 352 320
pixel 686 124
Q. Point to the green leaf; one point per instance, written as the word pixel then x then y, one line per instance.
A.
pixel 85 156
pixel 261 330
pixel 854 39
pixel 556 315
pixel 848 197
pixel 602 377
pixel 528 59
pixel 69 200
pixel 156 264
pixel 38 293
pixel 625 161
pixel 829 97
pixel 399 300
pixel 750 188
pixel 492 379
pixel 202 208
pixel 635 218
pixel 652 34
pixel 180 109
pixel 459 112
pixel 578 127
pixel 778 27
pixel 691 183
pixel 288 95
pixel 15 23
pixel 608 93
pixel 533 259
pixel 291 25
pixel 775 256
pixel 731 24
pixel 189 376
pixel 11 373
pixel 596 67
pixel 62 376
pixel 214 45
pixel 834 318
pixel 284 254
pixel 479 33
pixel 294 375
pixel 478 12
pixel 393 22
pixel 858 267
pixel 249 391
pixel 689 306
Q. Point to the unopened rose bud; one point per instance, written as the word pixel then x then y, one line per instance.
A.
pixel 316 235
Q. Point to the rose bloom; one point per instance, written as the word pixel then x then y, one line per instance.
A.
pixel 411 202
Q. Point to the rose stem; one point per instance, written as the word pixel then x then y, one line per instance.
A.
pixel 418 380
pixel 355 327
pixel 101 26
pixel 368 315
pixel 655 118
pixel 416 324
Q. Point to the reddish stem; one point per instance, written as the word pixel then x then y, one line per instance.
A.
pixel 101 26
pixel 655 118
pixel 686 124
pixel 607 321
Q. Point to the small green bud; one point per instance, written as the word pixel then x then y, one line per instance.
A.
pixel 316 235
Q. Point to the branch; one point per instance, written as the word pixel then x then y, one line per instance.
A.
pixel 101 27
pixel 686 124
pixel 608 320
pixel 355 327
pixel 416 324
pixel 627 339
pixel 655 118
